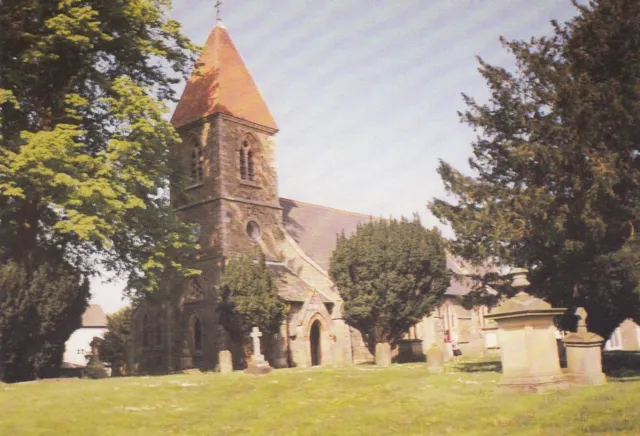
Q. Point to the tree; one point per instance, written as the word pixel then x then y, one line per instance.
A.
pixel 37 316
pixel 95 366
pixel 85 156
pixel 249 298
pixel 114 349
pixel 390 274
pixel 556 165
pixel 86 152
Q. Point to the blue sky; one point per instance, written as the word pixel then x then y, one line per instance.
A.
pixel 366 92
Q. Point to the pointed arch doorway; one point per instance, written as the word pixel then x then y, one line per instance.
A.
pixel 316 346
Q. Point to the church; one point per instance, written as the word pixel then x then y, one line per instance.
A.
pixel 229 150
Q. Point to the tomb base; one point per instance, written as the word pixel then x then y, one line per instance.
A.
pixel 259 368
pixel 537 384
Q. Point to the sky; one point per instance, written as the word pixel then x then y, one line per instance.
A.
pixel 366 92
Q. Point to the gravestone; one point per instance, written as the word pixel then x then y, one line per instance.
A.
pixel 383 354
pixel 257 365
pixel 226 362
pixel 528 348
pixel 435 358
pixel 410 350
pixel 584 354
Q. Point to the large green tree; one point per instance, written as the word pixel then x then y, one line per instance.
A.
pixel 38 313
pixel 85 147
pixel 556 165
pixel 390 274
pixel 249 298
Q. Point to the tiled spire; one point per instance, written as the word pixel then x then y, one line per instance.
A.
pixel 221 83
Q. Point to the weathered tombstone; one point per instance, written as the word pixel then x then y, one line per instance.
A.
pixel 225 361
pixel 383 354
pixel 526 335
pixel 410 350
pixel 257 365
pixel 584 354
pixel 435 358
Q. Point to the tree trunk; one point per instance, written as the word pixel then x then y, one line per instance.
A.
pixel 383 354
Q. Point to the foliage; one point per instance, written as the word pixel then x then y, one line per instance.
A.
pixel 38 313
pixel 249 298
pixel 86 156
pixel 95 366
pixel 390 274
pixel 85 149
pixel 556 184
pixel 114 349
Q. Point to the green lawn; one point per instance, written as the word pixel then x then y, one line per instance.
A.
pixel 363 400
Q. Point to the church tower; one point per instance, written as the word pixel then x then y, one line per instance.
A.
pixel 231 196
pixel 228 150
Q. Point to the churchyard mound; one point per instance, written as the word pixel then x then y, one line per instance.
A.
pixel 399 400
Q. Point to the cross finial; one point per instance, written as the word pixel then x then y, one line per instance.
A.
pixel 582 319
pixel 217 5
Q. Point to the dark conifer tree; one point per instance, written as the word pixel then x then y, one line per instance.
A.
pixel 556 165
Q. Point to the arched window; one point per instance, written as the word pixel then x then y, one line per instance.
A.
pixel 197 163
pixel 145 331
pixel 247 168
pixel 243 165
pixel 157 332
pixel 250 165
pixel 197 334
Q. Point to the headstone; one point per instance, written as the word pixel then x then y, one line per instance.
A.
pixel 526 335
pixel 226 362
pixel 435 358
pixel 584 354
pixel 257 365
pixel 410 350
pixel 383 354
pixel 255 335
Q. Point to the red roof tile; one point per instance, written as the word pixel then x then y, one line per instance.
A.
pixel 221 84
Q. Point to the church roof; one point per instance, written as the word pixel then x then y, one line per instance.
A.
pixel 315 228
pixel 94 316
pixel 221 83
pixel 290 286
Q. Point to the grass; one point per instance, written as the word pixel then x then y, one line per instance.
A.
pixel 363 400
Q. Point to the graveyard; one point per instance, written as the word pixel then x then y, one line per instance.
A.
pixel 362 399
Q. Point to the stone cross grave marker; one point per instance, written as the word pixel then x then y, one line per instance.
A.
pixel 255 335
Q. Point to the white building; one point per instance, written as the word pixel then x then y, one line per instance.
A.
pixel 626 337
pixel 77 347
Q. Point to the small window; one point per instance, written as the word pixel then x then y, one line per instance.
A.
pixel 243 166
pixel 197 163
pixel 253 230
pixel 197 335
pixel 250 166
pixel 247 167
